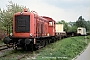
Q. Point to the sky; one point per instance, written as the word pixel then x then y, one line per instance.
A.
pixel 68 10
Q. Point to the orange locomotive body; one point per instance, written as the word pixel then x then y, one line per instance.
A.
pixel 30 31
pixel 29 25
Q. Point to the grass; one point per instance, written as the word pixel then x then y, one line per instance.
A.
pixel 66 49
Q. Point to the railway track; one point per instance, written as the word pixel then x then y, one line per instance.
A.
pixel 9 52
pixel 6 54
pixel 22 55
pixel 28 55
pixel 17 57
pixel 3 47
pixel 3 50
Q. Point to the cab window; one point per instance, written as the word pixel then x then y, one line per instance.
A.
pixel 50 23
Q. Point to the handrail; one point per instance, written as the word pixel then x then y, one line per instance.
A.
pixel 34 12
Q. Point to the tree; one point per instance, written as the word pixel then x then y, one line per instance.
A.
pixel 6 16
pixel 72 27
pixel 81 22
pixel 88 26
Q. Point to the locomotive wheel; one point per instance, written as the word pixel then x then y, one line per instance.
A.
pixel 29 47
pixel 43 43
pixel 52 40
pixel 35 47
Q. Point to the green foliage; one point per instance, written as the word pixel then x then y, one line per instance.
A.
pixel 81 22
pixel 72 27
pixel 88 26
pixel 6 15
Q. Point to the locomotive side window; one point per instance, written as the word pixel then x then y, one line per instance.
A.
pixel 50 23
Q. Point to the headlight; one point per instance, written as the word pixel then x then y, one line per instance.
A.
pixel 11 34
pixel 30 34
pixel 47 34
pixel 21 13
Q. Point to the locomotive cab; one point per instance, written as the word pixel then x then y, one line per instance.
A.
pixel 51 26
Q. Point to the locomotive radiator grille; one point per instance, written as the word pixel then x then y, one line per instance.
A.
pixel 22 23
